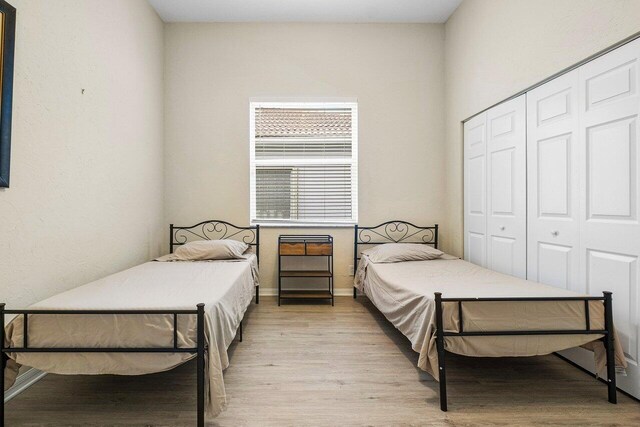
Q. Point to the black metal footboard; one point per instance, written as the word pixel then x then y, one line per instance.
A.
pixel 607 332
pixel 198 350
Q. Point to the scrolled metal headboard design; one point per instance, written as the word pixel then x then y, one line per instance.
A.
pixel 214 230
pixel 395 231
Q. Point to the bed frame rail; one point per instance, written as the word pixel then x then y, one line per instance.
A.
pixel 198 350
pixel 607 332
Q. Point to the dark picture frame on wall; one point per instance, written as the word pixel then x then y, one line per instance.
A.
pixel 7 49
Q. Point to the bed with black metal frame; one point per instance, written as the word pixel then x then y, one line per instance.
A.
pixel 179 235
pixel 398 231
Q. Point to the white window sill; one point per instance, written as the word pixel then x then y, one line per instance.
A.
pixel 302 225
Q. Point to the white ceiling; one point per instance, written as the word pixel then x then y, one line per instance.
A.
pixel 431 11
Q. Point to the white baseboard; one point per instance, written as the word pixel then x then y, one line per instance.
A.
pixel 23 382
pixel 343 292
pixel 272 292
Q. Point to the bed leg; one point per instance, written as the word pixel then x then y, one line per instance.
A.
pixel 2 363
pixel 258 294
pixel 609 348
pixel 442 374
pixel 200 373
pixel 241 331
pixel 354 293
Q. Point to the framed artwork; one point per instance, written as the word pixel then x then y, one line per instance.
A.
pixel 7 47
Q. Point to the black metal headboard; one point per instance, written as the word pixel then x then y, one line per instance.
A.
pixel 214 230
pixel 393 232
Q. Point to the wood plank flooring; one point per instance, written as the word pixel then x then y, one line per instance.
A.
pixel 313 364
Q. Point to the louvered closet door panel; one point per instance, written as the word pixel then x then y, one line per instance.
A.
pixel 552 186
pixel 506 188
pixel 475 194
pixel 610 184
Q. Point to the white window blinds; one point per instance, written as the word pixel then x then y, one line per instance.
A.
pixel 304 162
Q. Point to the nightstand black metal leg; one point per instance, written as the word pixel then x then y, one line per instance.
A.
pixel 279 270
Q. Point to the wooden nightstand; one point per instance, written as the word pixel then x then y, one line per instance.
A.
pixel 306 246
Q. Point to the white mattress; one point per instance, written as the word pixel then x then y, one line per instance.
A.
pixel 404 293
pixel 225 287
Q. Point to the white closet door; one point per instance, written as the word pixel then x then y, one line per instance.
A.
pixel 475 194
pixel 506 188
pixel 610 183
pixel 552 184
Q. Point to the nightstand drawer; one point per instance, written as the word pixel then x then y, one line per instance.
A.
pixel 292 249
pixel 319 249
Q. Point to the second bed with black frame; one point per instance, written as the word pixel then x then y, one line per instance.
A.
pixel 179 235
pixel 398 231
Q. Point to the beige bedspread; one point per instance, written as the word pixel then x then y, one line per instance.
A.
pixel 404 293
pixel 225 287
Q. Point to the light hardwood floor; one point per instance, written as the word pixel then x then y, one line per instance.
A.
pixel 332 366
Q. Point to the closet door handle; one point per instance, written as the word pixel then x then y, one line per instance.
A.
pixel 555 233
pixel 502 227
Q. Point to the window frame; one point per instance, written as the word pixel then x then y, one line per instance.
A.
pixel 353 160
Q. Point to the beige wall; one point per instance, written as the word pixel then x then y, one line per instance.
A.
pixel 87 171
pixel 86 179
pixel 395 72
pixel 495 48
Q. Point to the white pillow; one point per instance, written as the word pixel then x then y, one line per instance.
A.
pixel 211 249
pixel 397 252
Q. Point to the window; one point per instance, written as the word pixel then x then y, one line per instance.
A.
pixel 304 163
